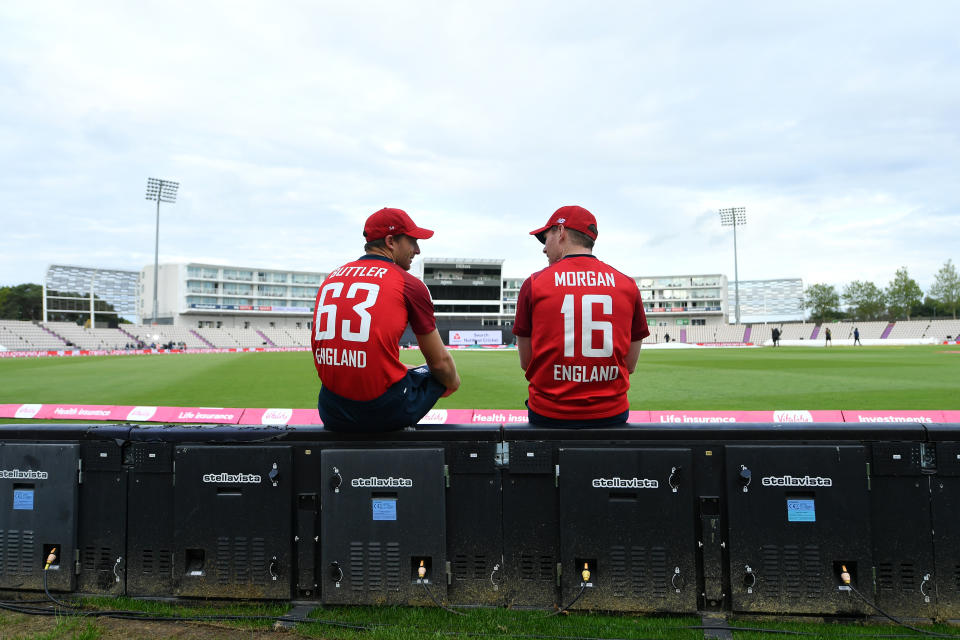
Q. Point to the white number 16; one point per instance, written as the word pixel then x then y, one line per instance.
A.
pixel 588 325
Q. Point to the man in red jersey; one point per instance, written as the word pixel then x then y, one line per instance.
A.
pixel 579 326
pixel 362 310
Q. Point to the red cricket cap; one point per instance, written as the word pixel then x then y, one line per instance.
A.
pixel 572 217
pixel 393 222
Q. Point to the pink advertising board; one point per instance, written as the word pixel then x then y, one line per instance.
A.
pixel 892 416
pixel 8 410
pixel 75 412
pixel 272 417
pixel 498 416
pixel 276 416
pixel 730 417
pixel 447 416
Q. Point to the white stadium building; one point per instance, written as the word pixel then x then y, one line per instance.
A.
pixel 206 306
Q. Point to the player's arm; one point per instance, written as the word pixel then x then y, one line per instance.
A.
pixel 638 331
pixel 633 355
pixel 523 323
pixel 526 351
pixel 442 366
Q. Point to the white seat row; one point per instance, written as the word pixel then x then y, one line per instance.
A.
pixel 20 335
pixel 796 330
pixel 165 334
pixel 287 337
pixel 942 329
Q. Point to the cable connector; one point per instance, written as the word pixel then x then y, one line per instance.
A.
pixel 51 558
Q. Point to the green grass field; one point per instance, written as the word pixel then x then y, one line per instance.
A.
pixel 416 623
pixel 921 377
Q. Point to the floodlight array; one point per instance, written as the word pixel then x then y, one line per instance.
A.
pixel 162 190
pixel 733 216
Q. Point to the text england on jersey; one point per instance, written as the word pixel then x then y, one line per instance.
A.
pixel 341 358
pixel 583 373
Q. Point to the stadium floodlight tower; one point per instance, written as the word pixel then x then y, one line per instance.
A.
pixel 733 217
pixel 161 191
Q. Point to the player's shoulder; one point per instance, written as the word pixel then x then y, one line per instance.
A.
pixel 619 274
pixel 539 274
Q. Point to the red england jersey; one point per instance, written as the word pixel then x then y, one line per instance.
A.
pixel 581 316
pixel 362 310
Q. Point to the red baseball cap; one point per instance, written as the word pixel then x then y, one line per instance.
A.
pixel 393 222
pixel 572 217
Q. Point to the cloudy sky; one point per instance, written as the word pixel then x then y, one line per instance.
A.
pixel 287 123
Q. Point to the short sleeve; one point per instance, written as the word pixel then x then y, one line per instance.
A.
pixel 639 330
pixel 523 321
pixel 416 296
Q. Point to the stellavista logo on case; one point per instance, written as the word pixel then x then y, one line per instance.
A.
pixel 624 483
pixel 17 474
pixel 378 483
pixel 796 481
pixel 233 478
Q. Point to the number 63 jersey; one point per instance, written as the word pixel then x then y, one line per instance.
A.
pixel 361 312
pixel 581 316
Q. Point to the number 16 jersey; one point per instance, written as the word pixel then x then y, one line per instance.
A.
pixel 581 316
pixel 361 312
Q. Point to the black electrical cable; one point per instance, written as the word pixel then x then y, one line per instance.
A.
pixel 72 610
pixel 583 587
pixel 934 634
pixel 801 633
pixel 437 602
pixel 755 629
pixel 50 595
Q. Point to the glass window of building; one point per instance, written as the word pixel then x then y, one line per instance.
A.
pixel 237 274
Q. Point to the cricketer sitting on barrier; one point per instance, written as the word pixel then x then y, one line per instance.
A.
pixel 361 312
pixel 579 327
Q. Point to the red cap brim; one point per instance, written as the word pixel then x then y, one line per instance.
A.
pixel 419 233
pixel 540 233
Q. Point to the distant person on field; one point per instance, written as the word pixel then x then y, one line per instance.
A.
pixel 666 337
pixel 361 312
pixel 856 337
pixel 579 327
pixel 827 339
pixel 776 336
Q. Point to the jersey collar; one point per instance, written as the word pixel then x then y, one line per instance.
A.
pixel 373 256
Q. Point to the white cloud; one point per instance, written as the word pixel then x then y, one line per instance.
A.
pixel 288 124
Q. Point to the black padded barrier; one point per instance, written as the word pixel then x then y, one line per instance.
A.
pixel 751 518
pixel 943 473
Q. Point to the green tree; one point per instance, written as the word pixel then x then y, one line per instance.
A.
pixel 929 308
pixel 21 302
pixel 903 294
pixel 822 300
pixel 866 301
pixel 946 288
